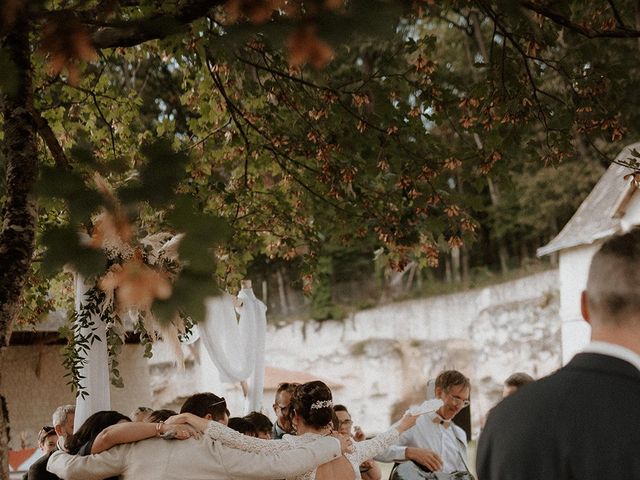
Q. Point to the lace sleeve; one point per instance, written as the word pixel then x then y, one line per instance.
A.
pixel 233 439
pixel 368 449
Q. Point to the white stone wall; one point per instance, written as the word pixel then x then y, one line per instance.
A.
pixel 382 353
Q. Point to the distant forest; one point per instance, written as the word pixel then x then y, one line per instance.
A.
pixel 514 220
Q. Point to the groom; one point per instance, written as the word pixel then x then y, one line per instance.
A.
pixel 202 458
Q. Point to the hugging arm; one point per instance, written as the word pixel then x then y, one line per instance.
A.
pixel 134 431
pixel 89 467
pixel 285 463
pixel 227 436
pixel 368 449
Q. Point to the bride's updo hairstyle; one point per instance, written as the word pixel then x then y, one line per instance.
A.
pixel 313 402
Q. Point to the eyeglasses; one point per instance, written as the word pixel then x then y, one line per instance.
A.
pixel 459 401
pixel 284 408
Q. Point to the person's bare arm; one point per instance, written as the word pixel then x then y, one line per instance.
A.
pixel 196 422
pixel 134 431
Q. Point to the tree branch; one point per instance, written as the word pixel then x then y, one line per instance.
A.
pixel 45 132
pixel 621 32
pixel 135 32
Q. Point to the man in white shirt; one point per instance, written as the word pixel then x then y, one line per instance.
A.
pixel 583 421
pixel 435 442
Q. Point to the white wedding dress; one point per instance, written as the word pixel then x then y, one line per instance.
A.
pixel 362 451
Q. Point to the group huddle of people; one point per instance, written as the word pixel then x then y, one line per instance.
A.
pixel 580 423
pixel 312 438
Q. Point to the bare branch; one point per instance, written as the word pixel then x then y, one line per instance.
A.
pixel 621 32
pixel 44 130
pixel 135 32
pixel 616 14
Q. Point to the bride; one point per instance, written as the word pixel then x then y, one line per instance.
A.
pixel 312 412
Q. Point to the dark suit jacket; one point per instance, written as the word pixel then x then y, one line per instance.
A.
pixel 581 423
pixel 38 469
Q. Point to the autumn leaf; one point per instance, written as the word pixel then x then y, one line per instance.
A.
pixel 66 43
pixel 455 242
pixel 135 284
pixel 257 11
pixel 452 164
pixel 452 211
pixel 111 232
pixel 305 46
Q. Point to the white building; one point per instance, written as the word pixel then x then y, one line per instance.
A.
pixel 613 206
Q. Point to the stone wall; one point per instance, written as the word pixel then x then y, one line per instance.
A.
pixel 383 354
pixel 34 383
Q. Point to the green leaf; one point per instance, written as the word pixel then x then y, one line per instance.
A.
pixel 189 294
pixel 202 232
pixel 63 247
pixel 55 182
pixel 160 176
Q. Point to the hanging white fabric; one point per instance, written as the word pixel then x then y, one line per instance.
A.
pixel 254 308
pixel 237 346
pixel 96 369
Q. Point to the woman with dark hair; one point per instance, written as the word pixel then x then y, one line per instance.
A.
pixel 81 442
pixel 312 412
pixel 107 428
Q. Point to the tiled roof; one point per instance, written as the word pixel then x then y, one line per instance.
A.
pixel 599 214
pixel 18 458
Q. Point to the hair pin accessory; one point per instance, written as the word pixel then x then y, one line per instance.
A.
pixel 321 404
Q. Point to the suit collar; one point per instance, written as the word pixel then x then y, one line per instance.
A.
pixel 604 363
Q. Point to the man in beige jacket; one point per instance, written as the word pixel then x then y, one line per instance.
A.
pixel 194 459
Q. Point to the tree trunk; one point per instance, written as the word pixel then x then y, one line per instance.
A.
pixel 503 254
pixel 19 214
pixel 455 264
pixel 284 305
pixel 465 265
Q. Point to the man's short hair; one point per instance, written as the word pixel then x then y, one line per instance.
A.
pixel 518 380
pixel 288 387
pixel 451 378
pixel 61 413
pixel 340 408
pixel 203 404
pixel 144 411
pixel 260 421
pixel 160 415
pixel 243 426
pixel 613 285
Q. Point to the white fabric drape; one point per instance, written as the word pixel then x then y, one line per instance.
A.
pixel 96 369
pixel 236 347
pixel 255 309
